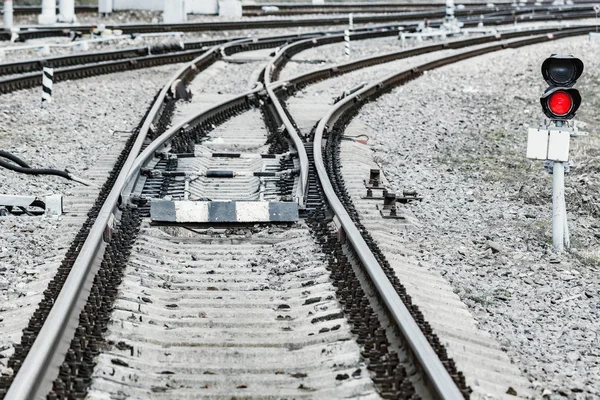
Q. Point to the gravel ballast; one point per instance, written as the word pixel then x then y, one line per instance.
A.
pixel 458 136
pixel 80 131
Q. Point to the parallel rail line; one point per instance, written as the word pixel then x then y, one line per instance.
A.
pixel 34 32
pixel 43 359
pixel 146 57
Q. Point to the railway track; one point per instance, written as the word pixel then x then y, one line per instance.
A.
pixel 204 285
pixel 23 74
pixel 541 13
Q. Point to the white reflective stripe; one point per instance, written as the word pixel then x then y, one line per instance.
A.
pixel 250 155
pixel 191 211
pixel 252 211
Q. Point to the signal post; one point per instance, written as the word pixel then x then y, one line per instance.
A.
pixel 551 141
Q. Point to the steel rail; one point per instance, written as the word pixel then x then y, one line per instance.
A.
pixel 438 378
pixel 349 4
pixel 303 79
pixel 272 66
pixel 18 67
pixel 25 66
pixel 36 31
pixel 302 189
pixel 29 80
pixel 41 364
pixel 40 367
pixel 330 9
pixel 26 10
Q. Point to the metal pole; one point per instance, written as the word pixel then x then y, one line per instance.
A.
pixel 566 225
pixel 558 206
pixel 8 14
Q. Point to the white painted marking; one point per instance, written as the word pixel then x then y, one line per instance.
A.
pixel 252 211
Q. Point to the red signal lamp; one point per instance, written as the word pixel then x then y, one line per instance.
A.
pixel 560 103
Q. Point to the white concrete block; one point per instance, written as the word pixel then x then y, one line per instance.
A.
pixel 230 8
pixel 67 11
pixel 202 7
pixel 54 205
pixel 152 5
pixel 594 37
pixel 8 14
pixel 174 12
pixel 48 15
pixel 252 211
pixel 105 6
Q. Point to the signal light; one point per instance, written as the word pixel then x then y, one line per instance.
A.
pixel 560 101
pixel 562 70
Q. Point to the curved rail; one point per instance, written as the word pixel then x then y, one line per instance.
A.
pixel 41 365
pixel 47 353
pixel 438 378
pixel 302 189
pixel 118 61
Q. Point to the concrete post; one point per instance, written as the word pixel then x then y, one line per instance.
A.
pixel 48 15
pixel 449 9
pixel 230 8
pixel 67 11
pixel 8 14
pixel 174 12
pixel 202 6
pixel 105 6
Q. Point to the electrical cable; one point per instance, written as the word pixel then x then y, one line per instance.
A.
pixel 21 166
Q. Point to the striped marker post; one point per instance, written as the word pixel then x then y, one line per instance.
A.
pixel 350 21
pixel 347 43
pixel 47 78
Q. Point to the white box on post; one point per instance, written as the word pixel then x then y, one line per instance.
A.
pixel 537 144
pixel 558 145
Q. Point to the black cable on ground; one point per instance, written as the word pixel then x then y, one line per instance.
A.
pixel 21 166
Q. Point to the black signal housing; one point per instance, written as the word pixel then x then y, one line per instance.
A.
pixel 561 73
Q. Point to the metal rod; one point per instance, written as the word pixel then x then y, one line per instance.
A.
pixel 558 206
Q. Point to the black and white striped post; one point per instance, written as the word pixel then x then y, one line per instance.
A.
pixel 347 42
pixel 47 79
